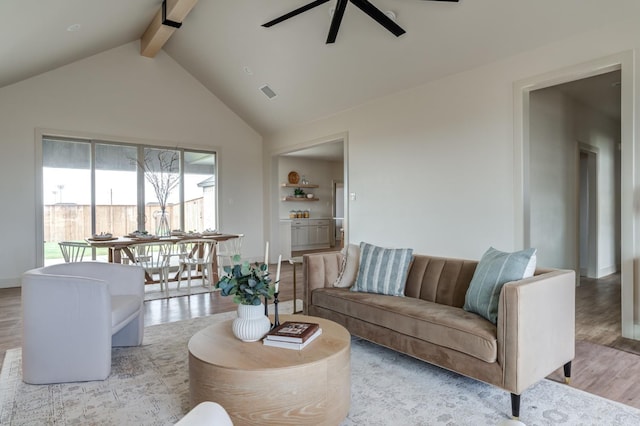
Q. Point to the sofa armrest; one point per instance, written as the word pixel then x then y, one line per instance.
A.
pixel 536 327
pixel 319 270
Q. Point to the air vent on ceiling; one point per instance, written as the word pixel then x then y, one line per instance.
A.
pixel 268 91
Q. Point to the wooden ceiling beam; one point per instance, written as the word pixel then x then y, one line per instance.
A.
pixel 157 33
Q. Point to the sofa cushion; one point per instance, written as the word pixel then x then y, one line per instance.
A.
pixel 382 270
pixel 349 267
pixel 495 269
pixel 123 309
pixel 441 325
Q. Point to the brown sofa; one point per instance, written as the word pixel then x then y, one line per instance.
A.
pixel 534 335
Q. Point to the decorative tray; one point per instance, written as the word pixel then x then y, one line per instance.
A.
pixel 103 237
pixel 135 234
pixel 293 177
pixel 192 234
pixel 145 237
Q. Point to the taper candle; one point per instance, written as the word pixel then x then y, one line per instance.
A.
pixel 266 255
pixel 278 273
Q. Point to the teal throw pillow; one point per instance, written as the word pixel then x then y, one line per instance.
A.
pixel 382 270
pixel 495 269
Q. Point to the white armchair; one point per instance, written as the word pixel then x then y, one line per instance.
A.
pixel 73 313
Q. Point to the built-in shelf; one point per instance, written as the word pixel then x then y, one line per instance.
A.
pixel 300 199
pixel 299 185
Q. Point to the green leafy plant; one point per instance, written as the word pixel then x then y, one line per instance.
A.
pixel 246 282
pixel 298 192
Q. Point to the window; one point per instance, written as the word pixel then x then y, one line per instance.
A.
pixel 95 186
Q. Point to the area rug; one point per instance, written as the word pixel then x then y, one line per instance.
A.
pixel 149 386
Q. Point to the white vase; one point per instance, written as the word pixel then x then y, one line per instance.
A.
pixel 251 324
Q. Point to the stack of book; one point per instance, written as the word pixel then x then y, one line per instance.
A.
pixel 293 335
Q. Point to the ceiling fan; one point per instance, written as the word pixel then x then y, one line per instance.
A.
pixel 364 5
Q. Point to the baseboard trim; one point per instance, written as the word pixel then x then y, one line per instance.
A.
pixel 9 282
pixel 603 272
pixel 636 332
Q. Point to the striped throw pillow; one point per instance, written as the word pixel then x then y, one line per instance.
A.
pixel 495 269
pixel 382 270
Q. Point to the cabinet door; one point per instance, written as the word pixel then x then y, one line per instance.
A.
pixel 313 235
pixel 319 235
pixel 299 236
pixel 322 235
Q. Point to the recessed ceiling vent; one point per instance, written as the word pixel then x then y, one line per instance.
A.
pixel 268 91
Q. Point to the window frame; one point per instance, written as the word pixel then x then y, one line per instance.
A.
pixel 93 140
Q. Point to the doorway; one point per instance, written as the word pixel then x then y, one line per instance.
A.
pixel 587 211
pixel 616 250
pixel 323 165
pixel 337 206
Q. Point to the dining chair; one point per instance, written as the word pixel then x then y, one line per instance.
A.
pixel 154 257
pixel 73 251
pixel 227 249
pixel 194 255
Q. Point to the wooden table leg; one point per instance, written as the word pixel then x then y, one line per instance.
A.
pixel 214 264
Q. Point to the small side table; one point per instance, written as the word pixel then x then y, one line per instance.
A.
pixel 293 261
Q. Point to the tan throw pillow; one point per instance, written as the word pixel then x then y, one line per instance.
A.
pixel 349 271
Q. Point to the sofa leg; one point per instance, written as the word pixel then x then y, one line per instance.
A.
pixel 515 406
pixel 567 372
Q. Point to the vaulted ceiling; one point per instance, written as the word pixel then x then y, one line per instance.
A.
pixel 224 46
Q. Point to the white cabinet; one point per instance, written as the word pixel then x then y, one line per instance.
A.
pixel 299 234
pixel 310 234
pixel 319 232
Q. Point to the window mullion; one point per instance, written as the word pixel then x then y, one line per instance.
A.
pixel 142 219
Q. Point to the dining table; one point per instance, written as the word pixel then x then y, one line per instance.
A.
pixel 119 248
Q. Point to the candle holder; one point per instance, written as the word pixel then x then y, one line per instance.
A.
pixel 266 306
pixel 276 320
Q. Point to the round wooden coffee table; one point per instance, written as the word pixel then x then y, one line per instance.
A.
pixel 264 385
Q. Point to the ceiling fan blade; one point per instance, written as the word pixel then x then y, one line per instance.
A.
pixel 294 13
pixel 377 15
pixel 337 19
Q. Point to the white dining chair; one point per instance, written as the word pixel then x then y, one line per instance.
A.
pixel 154 257
pixel 194 255
pixel 73 251
pixel 226 250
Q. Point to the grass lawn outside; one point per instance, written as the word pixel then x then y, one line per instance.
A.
pixel 52 252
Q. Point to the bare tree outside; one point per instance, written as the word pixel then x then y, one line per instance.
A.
pixel 162 171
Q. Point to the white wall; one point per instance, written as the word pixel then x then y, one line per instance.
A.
pixel 434 167
pixel 553 173
pixel 557 125
pixel 603 133
pixel 122 96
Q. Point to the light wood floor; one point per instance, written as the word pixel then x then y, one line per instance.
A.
pixel 598 367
